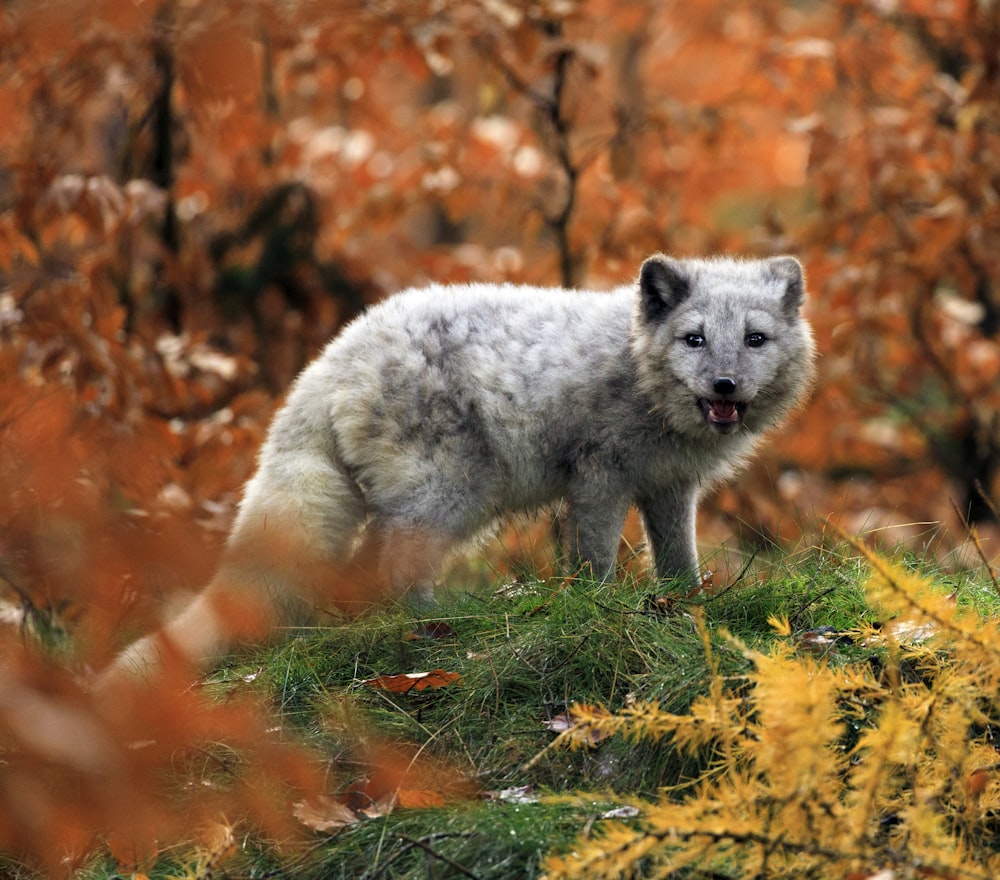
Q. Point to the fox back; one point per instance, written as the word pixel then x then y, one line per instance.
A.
pixel 442 409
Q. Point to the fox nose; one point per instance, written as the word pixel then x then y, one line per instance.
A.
pixel 724 385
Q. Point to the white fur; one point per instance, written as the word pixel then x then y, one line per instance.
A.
pixel 442 409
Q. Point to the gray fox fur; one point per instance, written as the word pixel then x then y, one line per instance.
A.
pixel 442 409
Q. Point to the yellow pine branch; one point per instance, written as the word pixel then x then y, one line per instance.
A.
pixel 824 769
pixel 904 591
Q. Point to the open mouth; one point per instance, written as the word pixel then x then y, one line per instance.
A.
pixel 723 415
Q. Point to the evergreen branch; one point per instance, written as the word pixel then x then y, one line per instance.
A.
pixel 675 836
pixel 905 588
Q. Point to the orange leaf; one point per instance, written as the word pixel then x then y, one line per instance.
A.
pixel 413 681
pixel 130 853
pixel 419 799
pixel 976 782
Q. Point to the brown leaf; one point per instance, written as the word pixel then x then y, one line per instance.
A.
pixel 569 719
pixel 431 629
pixel 405 682
pixel 324 814
pixel 381 807
pixel 976 782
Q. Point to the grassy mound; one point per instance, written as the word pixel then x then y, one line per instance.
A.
pixel 479 789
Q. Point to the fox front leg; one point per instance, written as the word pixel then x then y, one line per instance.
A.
pixel 669 519
pixel 593 532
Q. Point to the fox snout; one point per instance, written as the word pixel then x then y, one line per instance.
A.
pixel 724 385
pixel 723 414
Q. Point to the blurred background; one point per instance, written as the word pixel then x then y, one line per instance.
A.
pixel 194 196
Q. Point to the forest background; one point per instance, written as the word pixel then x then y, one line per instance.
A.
pixel 195 196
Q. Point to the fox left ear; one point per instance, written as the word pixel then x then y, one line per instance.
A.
pixel 789 270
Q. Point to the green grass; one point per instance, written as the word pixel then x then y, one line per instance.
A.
pixel 524 656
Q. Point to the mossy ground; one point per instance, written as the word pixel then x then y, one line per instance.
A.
pixel 525 653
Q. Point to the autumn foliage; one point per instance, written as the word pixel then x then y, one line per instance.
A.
pixel 823 766
pixel 195 197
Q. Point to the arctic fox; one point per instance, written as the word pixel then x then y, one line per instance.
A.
pixel 441 409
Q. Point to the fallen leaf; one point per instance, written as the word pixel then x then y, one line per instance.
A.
pixel 570 719
pixel 624 812
pixel 324 814
pixel 382 807
pixel 522 794
pixel 906 630
pixel 819 640
pixel 903 630
pixel 413 681
pixel 432 629
pixel 976 782
pixel 419 799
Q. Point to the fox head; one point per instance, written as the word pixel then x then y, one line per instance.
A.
pixel 721 345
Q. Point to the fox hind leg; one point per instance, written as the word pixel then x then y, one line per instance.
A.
pixel 405 558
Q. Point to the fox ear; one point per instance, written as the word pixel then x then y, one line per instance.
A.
pixel 789 271
pixel 663 285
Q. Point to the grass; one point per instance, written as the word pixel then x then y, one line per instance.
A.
pixel 524 656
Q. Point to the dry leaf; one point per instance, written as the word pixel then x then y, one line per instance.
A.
pixel 819 640
pixel 324 814
pixel 381 807
pixel 419 799
pixel 432 629
pixel 405 682
pixel 569 719
pixel 624 812
pixel 522 794
pixel 976 782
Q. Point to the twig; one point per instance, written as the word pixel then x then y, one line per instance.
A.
pixel 572 653
pixel 811 601
pixel 989 502
pixel 427 848
pixel 560 221
pixel 551 106
pixel 545 604
pixel 973 534
pixel 440 835
pixel 729 587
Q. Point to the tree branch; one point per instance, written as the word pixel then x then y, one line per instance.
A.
pixel 552 108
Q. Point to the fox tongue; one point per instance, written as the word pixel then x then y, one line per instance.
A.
pixel 723 411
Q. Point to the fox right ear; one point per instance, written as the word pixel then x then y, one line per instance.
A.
pixel 789 271
pixel 663 285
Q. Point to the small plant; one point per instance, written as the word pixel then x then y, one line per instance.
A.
pixel 883 766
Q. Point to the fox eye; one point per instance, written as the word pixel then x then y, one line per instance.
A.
pixel 694 340
pixel 755 340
